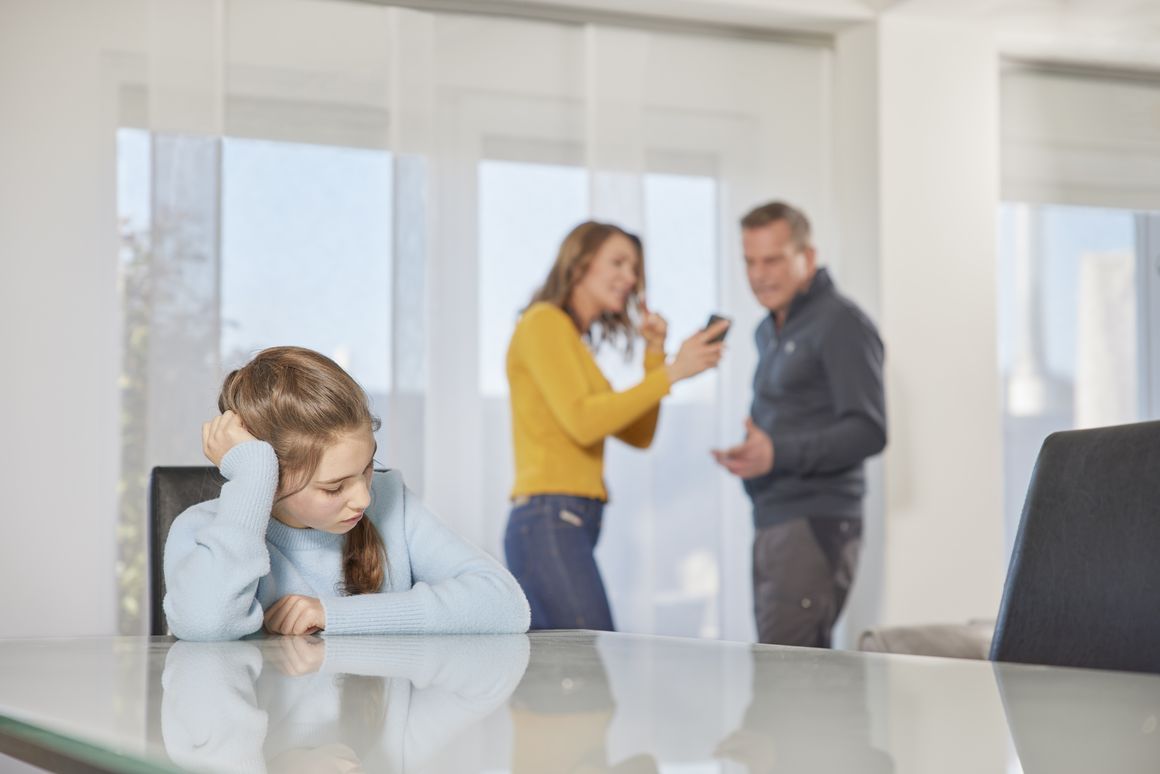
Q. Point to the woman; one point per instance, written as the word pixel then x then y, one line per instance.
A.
pixel 563 408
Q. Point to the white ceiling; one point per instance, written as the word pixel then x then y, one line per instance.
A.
pixel 768 15
pixel 1122 33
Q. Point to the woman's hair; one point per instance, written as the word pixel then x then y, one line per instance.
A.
pixel 301 402
pixel 572 262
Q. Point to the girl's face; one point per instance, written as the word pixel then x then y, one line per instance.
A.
pixel 339 491
pixel 611 277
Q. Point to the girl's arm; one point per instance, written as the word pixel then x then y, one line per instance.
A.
pixel 456 587
pixel 214 557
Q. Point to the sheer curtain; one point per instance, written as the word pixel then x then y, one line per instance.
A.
pixel 389 186
pixel 1077 282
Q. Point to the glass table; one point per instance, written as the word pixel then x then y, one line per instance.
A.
pixel 557 702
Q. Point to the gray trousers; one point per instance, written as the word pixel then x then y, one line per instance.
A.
pixel 802 572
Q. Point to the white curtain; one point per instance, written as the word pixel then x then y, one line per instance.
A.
pixel 389 186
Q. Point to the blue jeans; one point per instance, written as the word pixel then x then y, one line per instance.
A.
pixel 549 544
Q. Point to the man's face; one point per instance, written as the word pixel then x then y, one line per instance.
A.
pixel 777 268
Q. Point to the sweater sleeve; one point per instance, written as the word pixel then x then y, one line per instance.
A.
pixel 456 588
pixel 640 433
pixel 852 357
pixel 214 559
pixel 555 365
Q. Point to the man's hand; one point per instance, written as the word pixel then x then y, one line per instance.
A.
pixel 295 614
pixel 752 457
pixel 222 433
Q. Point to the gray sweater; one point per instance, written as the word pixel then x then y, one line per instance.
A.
pixel 818 394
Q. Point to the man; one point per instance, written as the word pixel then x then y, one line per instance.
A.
pixel 818 412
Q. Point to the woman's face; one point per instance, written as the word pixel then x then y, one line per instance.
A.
pixel 339 491
pixel 611 276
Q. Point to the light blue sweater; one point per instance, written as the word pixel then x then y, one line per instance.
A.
pixel 227 560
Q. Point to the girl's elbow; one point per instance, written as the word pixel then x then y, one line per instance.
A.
pixel 514 620
pixel 518 613
pixel 521 619
pixel 198 631
pixel 507 608
pixel 199 626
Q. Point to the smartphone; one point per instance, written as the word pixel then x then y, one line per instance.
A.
pixel 713 319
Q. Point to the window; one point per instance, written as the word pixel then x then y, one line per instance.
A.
pixel 525 210
pixel 306 254
pixel 1074 302
pixel 294 248
pixel 681 261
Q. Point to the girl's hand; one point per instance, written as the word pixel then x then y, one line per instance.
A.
pixel 299 655
pixel 653 328
pixel 697 353
pixel 295 614
pixel 222 433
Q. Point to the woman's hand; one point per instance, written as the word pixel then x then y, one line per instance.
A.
pixel 697 354
pixel 653 328
pixel 222 433
pixel 295 614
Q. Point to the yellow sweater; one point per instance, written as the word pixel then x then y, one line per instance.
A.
pixel 563 407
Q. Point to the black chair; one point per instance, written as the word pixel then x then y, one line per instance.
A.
pixel 171 491
pixel 1083 588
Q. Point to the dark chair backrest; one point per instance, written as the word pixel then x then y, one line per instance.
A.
pixel 1083 587
pixel 171 491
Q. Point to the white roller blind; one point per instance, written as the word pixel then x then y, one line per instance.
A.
pixel 1074 138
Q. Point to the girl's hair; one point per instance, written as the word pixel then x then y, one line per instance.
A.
pixel 572 262
pixel 301 402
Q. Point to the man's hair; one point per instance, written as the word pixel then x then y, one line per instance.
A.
pixel 766 214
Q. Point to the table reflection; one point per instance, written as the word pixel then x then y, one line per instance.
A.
pixel 309 704
pixel 561 713
pixel 1080 720
pixel 809 716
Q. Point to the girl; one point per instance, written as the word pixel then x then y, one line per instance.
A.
pixel 563 408
pixel 306 536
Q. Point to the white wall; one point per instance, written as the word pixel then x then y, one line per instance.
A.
pixel 916 190
pixel 60 313
pixel 855 258
pixel 939 188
